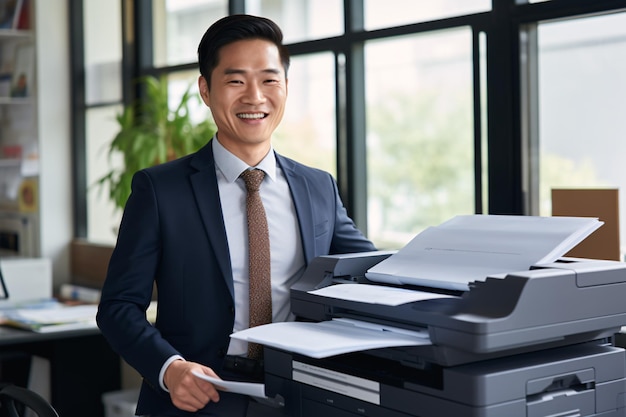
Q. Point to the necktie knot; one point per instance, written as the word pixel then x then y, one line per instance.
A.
pixel 253 179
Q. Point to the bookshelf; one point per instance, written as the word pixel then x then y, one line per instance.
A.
pixel 42 121
pixel 19 139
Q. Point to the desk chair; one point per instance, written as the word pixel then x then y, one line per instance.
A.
pixel 14 400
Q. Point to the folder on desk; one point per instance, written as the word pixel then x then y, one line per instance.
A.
pixel 54 318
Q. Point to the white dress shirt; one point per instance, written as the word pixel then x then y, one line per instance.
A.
pixel 286 253
pixel 287 257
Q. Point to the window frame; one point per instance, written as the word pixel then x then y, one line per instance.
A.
pixel 509 111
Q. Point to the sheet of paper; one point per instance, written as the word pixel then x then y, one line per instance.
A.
pixel 329 338
pixel 246 388
pixel 375 294
pixel 51 328
pixel 471 248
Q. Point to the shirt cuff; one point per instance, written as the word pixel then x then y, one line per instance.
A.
pixel 164 368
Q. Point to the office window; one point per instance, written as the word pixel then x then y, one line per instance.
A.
pixel 103 93
pixel 178 26
pixel 484 160
pixel 103 51
pixel 301 20
pixel 420 141
pixel 581 67
pixel 418 99
pixel 308 130
pixel 387 13
pixel 180 81
pixel 102 217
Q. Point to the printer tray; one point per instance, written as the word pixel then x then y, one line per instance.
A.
pixel 585 380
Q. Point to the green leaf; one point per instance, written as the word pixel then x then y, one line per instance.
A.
pixel 149 133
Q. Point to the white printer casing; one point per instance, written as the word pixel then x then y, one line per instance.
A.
pixel 529 344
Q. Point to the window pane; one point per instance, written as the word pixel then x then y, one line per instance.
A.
pixel 385 13
pixel 181 81
pixel 178 26
pixel 103 57
pixel 419 133
pixel 102 218
pixel 308 130
pixel 484 159
pixel 581 114
pixel 103 51
pixel 301 20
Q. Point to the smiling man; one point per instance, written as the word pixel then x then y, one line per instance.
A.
pixel 185 229
pixel 246 95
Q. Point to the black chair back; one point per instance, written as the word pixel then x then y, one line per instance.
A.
pixel 14 400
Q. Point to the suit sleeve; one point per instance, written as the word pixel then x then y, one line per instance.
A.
pixel 347 238
pixel 127 290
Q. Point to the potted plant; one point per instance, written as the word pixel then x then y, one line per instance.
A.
pixel 151 132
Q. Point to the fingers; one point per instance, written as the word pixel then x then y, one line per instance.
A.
pixel 187 391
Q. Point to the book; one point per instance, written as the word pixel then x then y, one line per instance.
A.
pixel 10 12
pixel 470 248
pixel 79 293
pixel 21 20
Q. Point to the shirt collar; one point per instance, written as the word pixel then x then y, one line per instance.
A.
pixel 231 166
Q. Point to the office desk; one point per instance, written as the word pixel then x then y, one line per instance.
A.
pixel 82 366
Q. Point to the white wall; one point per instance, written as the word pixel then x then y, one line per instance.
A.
pixel 53 117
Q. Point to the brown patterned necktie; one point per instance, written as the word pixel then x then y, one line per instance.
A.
pixel 259 257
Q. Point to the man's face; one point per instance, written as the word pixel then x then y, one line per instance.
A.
pixel 248 93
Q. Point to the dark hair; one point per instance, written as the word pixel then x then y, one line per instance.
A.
pixel 234 28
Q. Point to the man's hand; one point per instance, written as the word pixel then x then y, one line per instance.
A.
pixel 188 392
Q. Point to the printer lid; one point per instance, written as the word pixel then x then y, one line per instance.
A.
pixel 472 247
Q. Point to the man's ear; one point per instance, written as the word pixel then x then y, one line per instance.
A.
pixel 203 87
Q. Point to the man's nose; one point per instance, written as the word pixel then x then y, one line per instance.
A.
pixel 254 94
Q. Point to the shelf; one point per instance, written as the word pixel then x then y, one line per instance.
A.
pixel 10 162
pixel 19 130
pixel 5 101
pixel 15 34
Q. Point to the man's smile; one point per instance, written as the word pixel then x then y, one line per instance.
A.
pixel 251 115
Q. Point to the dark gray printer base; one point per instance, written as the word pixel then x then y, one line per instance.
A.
pixel 586 380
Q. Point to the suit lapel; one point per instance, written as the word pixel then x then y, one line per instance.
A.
pixel 302 201
pixel 204 184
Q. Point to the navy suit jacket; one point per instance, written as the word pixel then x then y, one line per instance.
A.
pixel 172 233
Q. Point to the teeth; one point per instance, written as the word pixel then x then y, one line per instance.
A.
pixel 251 115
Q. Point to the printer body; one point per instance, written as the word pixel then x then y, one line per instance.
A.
pixel 530 343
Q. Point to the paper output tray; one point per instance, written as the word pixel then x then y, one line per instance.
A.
pixel 551 305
